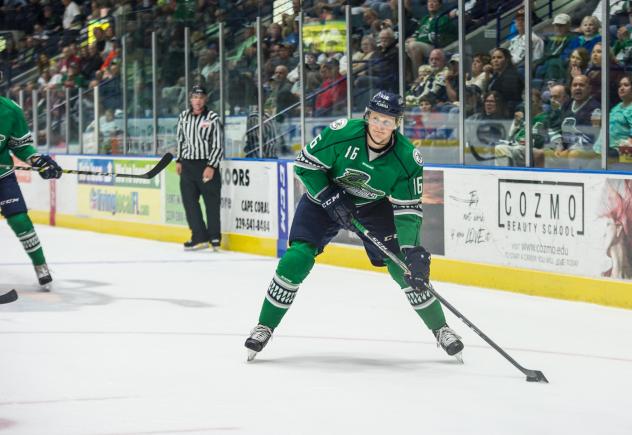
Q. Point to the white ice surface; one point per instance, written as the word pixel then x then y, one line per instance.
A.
pixel 139 337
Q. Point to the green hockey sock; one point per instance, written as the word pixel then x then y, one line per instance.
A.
pixel 292 269
pixel 23 228
pixel 424 304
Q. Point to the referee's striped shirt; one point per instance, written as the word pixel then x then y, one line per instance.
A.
pixel 200 137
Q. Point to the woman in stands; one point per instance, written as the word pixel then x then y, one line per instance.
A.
pixel 577 64
pixel 505 79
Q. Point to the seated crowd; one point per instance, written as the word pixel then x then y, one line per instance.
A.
pixel 566 57
pixel 566 91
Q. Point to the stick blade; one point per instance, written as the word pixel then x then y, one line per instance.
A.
pixel 536 376
pixel 162 164
pixel 10 296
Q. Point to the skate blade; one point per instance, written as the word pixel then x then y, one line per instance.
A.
pixel 198 247
pixel 251 355
pixel 46 287
pixel 459 357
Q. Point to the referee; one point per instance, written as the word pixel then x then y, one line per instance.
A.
pixel 200 149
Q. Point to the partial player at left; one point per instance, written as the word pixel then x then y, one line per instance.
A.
pixel 16 139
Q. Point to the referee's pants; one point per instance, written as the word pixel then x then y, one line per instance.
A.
pixel 191 187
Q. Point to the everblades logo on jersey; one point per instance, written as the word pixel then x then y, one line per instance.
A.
pixel 357 183
pixel 338 124
pixel 418 157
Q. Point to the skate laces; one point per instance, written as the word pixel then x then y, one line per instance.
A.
pixel 446 336
pixel 261 333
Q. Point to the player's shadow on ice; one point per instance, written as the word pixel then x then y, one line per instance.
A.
pixel 71 295
pixel 347 363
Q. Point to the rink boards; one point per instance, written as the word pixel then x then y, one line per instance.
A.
pixel 543 233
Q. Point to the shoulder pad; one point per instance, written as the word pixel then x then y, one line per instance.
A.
pixel 418 157
pixel 338 124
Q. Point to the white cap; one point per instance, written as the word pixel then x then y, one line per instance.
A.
pixel 455 58
pixel 562 19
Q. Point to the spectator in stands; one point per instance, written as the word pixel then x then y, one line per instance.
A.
pixel 382 69
pixel 368 50
pixel 312 76
pixel 435 30
pixel 435 84
pixel 452 83
pixel 575 125
pixel 72 21
pixel 552 66
pixel 44 79
pixel 91 61
pixel 493 107
pixel 577 64
pixel 52 21
pixel 623 46
pixel 72 79
pixel 514 148
pixel 593 71
pixel 280 96
pixel 416 88
pixel 274 35
pixel 68 58
pixel 505 78
pixel 207 63
pixel 517 46
pixel 56 78
pixel 71 10
pixel 371 22
pixel 485 127
pixel 473 100
pixel 478 76
pixel 43 62
pixel 558 98
pixel 590 36
pixel 620 127
pixel 332 93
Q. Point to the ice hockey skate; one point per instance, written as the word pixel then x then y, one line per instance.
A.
pixel 449 341
pixel 190 245
pixel 258 339
pixel 43 276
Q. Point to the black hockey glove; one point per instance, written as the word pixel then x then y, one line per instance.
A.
pixel 418 262
pixel 338 206
pixel 47 167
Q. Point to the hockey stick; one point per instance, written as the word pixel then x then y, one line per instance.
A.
pixel 162 164
pixel 9 297
pixel 476 155
pixel 532 375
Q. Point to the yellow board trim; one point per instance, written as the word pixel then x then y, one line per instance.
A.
pixel 531 282
pixel 163 233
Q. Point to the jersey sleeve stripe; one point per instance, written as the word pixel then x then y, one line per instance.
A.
pixel 308 161
pixel 404 201
pixel 19 142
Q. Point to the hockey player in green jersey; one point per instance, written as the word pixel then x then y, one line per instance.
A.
pixel 363 169
pixel 16 138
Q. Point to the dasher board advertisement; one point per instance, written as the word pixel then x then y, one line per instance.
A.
pixel 557 222
pixel 249 197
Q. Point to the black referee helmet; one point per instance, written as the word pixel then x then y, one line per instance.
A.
pixel 198 90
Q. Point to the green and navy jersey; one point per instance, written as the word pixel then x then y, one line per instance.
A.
pixel 14 135
pixel 340 155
